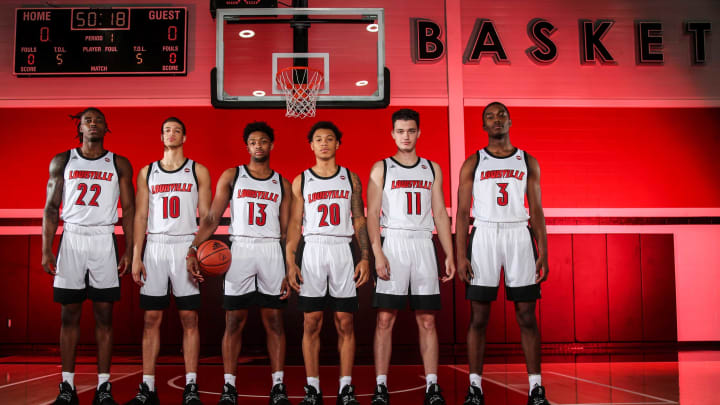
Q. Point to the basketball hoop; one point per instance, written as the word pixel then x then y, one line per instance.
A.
pixel 300 86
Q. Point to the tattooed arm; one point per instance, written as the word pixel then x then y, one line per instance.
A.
pixel 362 270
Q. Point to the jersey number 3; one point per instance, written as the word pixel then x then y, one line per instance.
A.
pixel 503 199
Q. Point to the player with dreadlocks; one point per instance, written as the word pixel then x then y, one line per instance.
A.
pixel 87 182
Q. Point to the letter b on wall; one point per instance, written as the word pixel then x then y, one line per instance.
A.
pixel 427 45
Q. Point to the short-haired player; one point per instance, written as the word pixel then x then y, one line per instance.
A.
pixel 88 182
pixel 405 205
pixel 328 209
pixel 259 209
pixel 171 192
pixel 495 181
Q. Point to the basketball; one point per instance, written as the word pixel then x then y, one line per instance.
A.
pixel 214 257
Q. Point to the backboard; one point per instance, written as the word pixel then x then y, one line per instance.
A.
pixel 347 45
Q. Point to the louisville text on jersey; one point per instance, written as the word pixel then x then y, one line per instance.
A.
pixel 90 174
pixel 168 188
pixel 411 184
pixel 327 195
pixel 261 195
pixel 502 174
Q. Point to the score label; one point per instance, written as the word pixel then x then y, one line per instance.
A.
pixel 85 41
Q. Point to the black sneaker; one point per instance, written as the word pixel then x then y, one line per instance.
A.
pixel 537 396
pixel 144 397
pixel 228 396
pixel 474 396
pixel 312 396
pixel 278 395
pixel 103 396
pixel 191 395
pixel 67 395
pixel 433 396
pixel 381 396
pixel 347 396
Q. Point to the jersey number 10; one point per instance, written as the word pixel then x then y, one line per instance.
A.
pixel 171 207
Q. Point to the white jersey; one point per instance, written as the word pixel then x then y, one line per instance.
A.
pixel 499 187
pixel 91 190
pixel 172 209
pixel 255 205
pixel 407 196
pixel 327 203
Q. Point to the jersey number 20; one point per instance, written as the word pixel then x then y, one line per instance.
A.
pixel 334 211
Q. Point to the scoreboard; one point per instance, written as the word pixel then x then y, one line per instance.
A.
pixel 85 41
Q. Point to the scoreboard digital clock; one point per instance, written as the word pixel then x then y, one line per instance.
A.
pixel 85 41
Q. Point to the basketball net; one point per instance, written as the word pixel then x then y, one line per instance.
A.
pixel 300 86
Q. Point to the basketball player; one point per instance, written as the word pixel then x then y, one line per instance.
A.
pixel 405 198
pixel 324 199
pixel 170 193
pixel 87 181
pixel 496 180
pixel 259 209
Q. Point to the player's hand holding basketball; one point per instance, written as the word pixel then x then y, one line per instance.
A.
pixel 541 268
pixel 382 267
pixel 139 274
pixel 362 272
pixel 49 262
pixel 125 263
pixel 193 267
pixel 464 270
pixel 294 276
pixel 449 270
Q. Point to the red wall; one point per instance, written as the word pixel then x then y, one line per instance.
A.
pixel 594 294
pixel 616 157
pixel 214 138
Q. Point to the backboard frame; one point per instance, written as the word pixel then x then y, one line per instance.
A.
pixel 220 98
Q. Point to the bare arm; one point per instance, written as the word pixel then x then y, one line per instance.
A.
pixel 285 205
pixel 284 219
pixel 294 230
pixel 204 189
pixel 51 213
pixel 127 201
pixel 537 219
pixel 141 216
pixel 442 223
pixel 210 221
pixel 362 270
pixel 374 192
pixel 462 217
